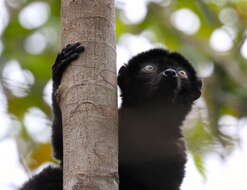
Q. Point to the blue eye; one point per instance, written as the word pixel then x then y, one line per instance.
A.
pixel 148 68
pixel 182 74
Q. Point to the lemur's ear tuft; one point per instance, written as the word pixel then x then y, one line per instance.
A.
pixel 123 79
pixel 197 85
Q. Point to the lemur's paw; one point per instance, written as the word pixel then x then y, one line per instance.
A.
pixel 68 54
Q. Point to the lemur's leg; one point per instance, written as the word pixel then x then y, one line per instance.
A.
pixel 49 178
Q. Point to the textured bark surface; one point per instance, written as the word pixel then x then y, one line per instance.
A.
pixel 88 97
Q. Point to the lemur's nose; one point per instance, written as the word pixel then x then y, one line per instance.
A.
pixel 170 73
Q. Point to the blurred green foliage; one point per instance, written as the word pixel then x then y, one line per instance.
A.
pixel 225 91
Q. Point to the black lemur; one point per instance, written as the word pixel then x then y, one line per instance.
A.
pixel 158 89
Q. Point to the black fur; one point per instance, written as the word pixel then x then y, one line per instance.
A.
pixel 49 179
pixel 154 105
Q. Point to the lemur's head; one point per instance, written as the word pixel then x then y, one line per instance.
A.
pixel 159 75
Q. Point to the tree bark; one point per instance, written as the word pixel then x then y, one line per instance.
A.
pixel 88 97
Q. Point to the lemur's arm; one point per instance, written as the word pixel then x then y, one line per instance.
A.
pixel 52 177
pixel 70 53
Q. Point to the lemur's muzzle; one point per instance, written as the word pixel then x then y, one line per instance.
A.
pixel 170 73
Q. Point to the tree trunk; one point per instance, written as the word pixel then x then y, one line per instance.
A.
pixel 88 98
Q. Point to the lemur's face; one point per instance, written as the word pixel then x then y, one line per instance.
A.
pixel 168 76
pixel 162 77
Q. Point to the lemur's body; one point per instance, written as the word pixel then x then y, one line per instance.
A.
pixel 158 90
